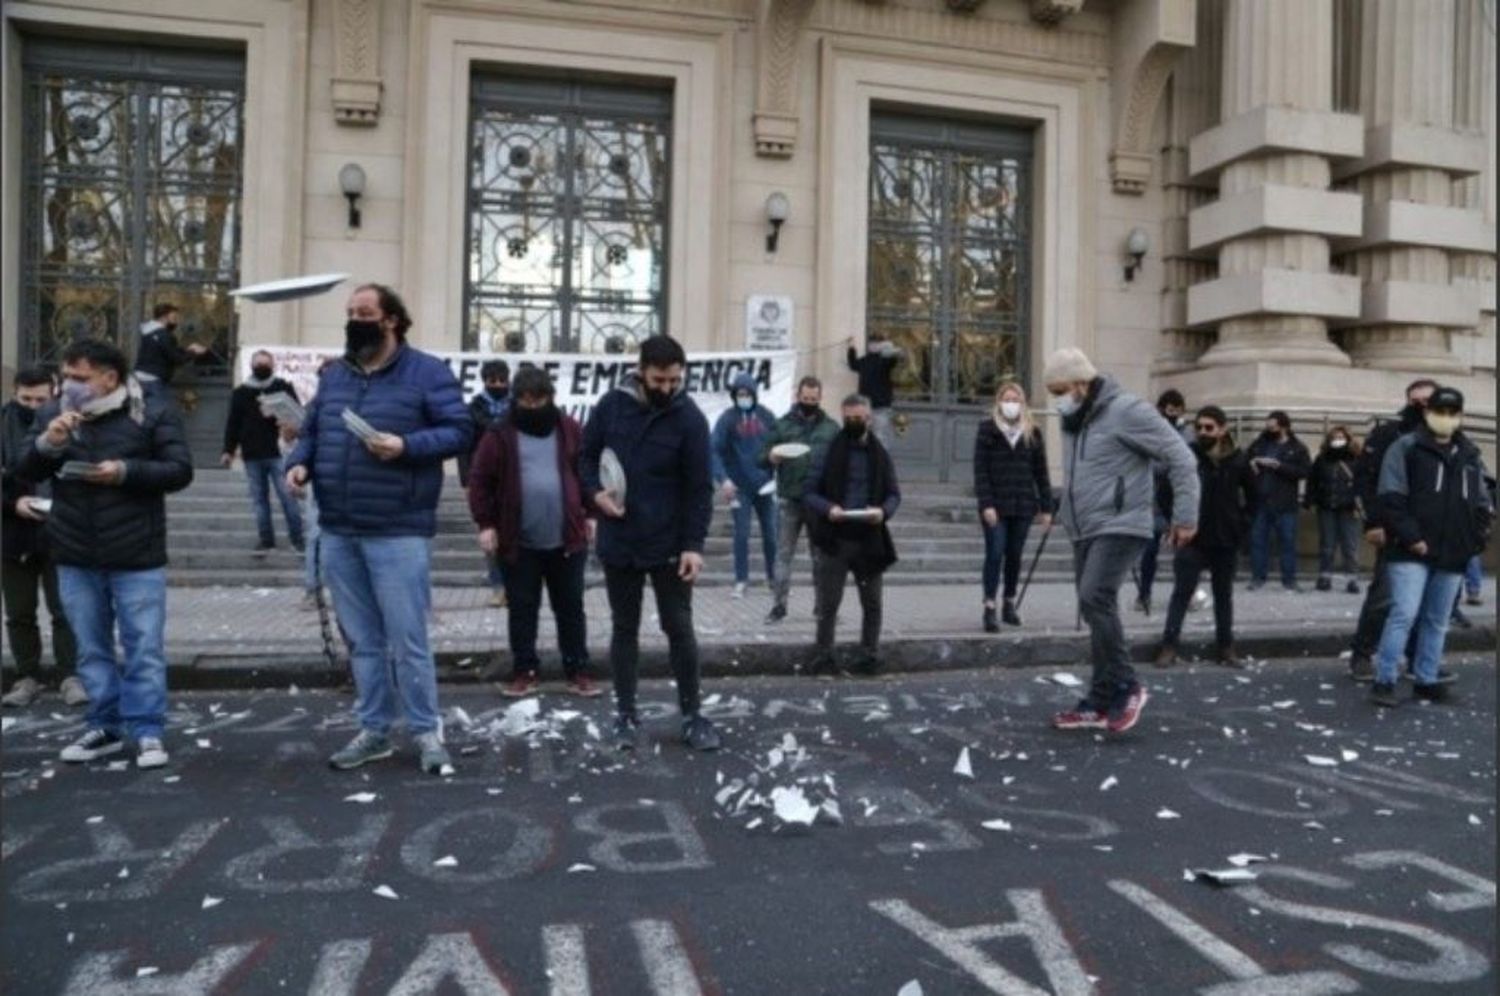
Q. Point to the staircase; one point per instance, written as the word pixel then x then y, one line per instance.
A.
pixel 211 531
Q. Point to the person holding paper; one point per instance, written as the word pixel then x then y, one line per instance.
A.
pixel 851 495
pixel 373 444
pixel 255 435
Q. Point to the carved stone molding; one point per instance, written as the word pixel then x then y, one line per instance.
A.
pixel 1054 11
pixel 778 34
pixel 1151 34
pixel 356 56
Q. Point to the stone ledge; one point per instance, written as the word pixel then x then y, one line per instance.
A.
pixel 1407 223
pixel 1275 207
pixel 1274 292
pixel 1391 146
pixel 1405 302
pixel 1276 129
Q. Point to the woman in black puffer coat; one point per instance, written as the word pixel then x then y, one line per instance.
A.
pixel 1012 488
pixel 1330 489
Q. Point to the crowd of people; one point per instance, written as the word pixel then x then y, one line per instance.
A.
pixel 88 462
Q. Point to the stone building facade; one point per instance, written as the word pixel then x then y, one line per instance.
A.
pixel 1312 181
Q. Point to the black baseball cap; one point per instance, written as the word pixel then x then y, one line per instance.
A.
pixel 1449 399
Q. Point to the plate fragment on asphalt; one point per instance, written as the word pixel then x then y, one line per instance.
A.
pixel 363 798
pixel 446 861
pixel 209 902
pixel 581 867
pixel 1242 859
pixel 1220 876
pixel 1319 761
pixel 996 824
pixel 912 988
pixel 1108 783
pixel 791 805
pixel 1167 814
pixel 385 892
pixel 146 970
pixel 963 767
pixel 1475 821
pixel 1066 680
pixel 1349 755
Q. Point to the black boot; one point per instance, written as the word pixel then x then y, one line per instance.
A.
pixel 1008 613
pixel 991 624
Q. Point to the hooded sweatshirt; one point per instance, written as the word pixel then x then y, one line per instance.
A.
pixel 737 440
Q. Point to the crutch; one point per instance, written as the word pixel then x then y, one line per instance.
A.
pixel 1035 559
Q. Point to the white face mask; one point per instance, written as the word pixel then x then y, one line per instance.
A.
pixel 1010 410
pixel 1065 404
pixel 745 402
pixel 1338 444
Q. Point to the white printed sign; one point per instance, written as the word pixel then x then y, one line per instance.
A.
pixel 768 322
pixel 581 379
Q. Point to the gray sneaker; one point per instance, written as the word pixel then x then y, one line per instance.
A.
pixel 434 756
pixel 91 746
pixel 73 692
pixel 22 693
pixel 150 753
pixel 364 748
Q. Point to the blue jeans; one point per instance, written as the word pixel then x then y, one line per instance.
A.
pixel 1420 597
pixel 382 593
pixel 1474 576
pixel 310 565
pixel 1285 525
pixel 261 474
pixel 1004 543
pixel 128 697
pixel 764 507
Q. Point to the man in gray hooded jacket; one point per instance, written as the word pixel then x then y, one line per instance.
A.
pixel 1110 440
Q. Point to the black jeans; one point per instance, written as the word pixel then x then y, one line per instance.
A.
pixel 1373 613
pixel 1338 532
pixel 21 581
pixel 1004 545
pixel 1100 566
pixel 830 571
pixel 1187 567
pixel 563 576
pixel 674 605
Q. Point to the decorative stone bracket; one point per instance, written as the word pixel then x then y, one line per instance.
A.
pixel 1054 11
pixel 1149 36
pixel 778 35
pixel 356 55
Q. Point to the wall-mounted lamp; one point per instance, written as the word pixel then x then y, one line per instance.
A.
pixel 1136 244
pixel 777 208
pixel 352 183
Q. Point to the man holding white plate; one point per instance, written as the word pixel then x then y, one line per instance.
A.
pixel 795 444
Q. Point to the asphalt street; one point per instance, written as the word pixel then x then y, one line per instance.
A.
pixel 858 836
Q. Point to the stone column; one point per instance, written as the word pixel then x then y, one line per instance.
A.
pixel 1413 154
pixel 1474 111
pixel 1275 214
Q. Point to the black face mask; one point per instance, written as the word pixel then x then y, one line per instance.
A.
pixel 262 373
pixel 170 328
pixel 658 399
pixel 26 415
pixel 498 393
pixel 808 411
pixel 362 339
pixel 535 421
pixel 854 428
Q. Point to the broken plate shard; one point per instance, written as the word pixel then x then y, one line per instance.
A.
pixel 447 861
pixel 996 824
pixel 385 892
pixel 1319 761
pixel 1242 859
pixel 581 867
pixel 963 767
pixel 1221 876
pixel 363 798
pixel 1108 783
pixel 1066 680
pixel 1167 814
pixel 209 902
pixel 791 806
pixel 912 988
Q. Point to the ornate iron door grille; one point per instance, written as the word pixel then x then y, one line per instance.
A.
pixel 132 165
pixel 567 215
pixel 949 255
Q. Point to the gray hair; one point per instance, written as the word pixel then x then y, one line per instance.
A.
pixel 856 401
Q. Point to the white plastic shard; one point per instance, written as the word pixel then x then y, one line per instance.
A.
pixel 581 867
pixel 1167 814
pixel 1108 783
pixel 146 970
pixel 1475 821
pixel 1243 859
pixel 363 798
pixel 830 810
pixel 912 988
pixel 520 718
pixel 1349 755
pixel 462 716
pixel 963 767
pixel 209 902
pixel 385 892
pixel 1319 761
pixel 999 825
pixel 446 861
pixel 791 806
pixel 1066 680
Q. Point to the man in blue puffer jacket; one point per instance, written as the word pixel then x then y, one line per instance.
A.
pixel 377 508
pixel 737 439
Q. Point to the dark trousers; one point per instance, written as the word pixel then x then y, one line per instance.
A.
pixel 1100 566
pixel 1187 567
pixel 830 571
pixel 674 606
pixel 1373 613
pixel 1338 532
pixel 1284 525
pixel 1004 543
pixel 1146 571
pixel 19 582
pixel 563 576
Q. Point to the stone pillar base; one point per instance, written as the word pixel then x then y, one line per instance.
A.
pixel 1410 348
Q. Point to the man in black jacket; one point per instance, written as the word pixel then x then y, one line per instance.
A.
pixel 159 354
pixel 257 438
pixel 874 370
pixel 489 407
pixel 115 451
pixel 1377 605
pixel 1436 513
pixel 1280 462
pixel 24 560
pixel 855 476
pixel 1227 491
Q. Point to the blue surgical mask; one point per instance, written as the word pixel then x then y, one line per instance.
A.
pixel 1065 404
pixel 744 403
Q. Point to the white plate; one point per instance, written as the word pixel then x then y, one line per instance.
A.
pixel 612 475
pixel 290 288
pixel 42 505
pixel 768 488
pixel 791 451
pixel 860 514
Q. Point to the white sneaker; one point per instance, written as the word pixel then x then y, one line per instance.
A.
pixel 150 753
pixel 739 589
pixel 22 693
pixel 73 692
pixel 92 745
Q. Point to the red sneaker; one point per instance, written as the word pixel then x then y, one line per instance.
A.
pixel 583 686
pixel 520 686
pixel 1128 713
pixel 1082 717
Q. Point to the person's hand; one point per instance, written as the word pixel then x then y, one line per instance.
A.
pixel 288 433
pixel 689 566
pixel 226 459
pixel 197 349
pixel 387 446
pixel 774 458
pixel 110 473
pixel 877 516
pixel 1419 548
pixel 607 504
pixel 489 540
pixel 25 511
pixel 59 428
pixel 728 490
pixel 296 480
pixel 592 525
pixel 990 517
pixel 1183 535
pixel 1375 537
pixel 836 514
pixel 1044 519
